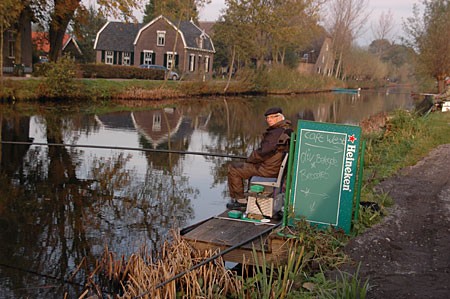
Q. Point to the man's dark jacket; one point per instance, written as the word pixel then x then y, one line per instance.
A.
pixel 274 145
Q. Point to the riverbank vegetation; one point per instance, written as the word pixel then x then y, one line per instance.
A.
pixel 401 141
pixel 61 83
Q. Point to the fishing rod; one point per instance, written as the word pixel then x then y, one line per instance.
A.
pixel 124 148
pixel 60 279
pixel 208 260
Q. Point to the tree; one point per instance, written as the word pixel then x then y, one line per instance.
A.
pixel 173 9
pixel 428 34
pixel 295 25
pixel 86 25
pixel 261 30
pixel 346 20
pixel 385 26
pixel 365 66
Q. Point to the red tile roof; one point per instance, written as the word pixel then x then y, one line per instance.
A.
pixel 40 39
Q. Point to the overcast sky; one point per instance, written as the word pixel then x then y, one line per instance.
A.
pixel 400 9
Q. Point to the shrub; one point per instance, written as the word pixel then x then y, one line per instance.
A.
pixel 60 79
pixel 119 71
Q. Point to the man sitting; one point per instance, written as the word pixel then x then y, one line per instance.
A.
pixel 264 161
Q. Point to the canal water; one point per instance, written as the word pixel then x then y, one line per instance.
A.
pixel 59 205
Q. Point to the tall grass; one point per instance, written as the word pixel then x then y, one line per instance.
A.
pixel 286 80
pixel 406 139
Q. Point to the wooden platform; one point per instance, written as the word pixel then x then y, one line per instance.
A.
pixel 221 232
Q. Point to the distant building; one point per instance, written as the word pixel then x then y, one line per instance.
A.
pixel 319 59
pixel 154 43
pixel 42 46
pixel 9 46
pixel 325 61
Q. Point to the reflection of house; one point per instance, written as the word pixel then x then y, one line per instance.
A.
pixel 116 120
pixel 154 43
pixel 158 126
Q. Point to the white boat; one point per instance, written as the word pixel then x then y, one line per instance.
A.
pixel 446 106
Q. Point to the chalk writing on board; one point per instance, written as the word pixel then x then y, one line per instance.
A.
pixel 335 149
pixel 325 156
pixel 307 193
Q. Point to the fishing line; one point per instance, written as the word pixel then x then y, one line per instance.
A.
pixel 124 148
pixel 63 280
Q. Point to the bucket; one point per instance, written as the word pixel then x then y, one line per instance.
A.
pixel 256 188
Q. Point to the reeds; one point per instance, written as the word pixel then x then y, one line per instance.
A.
pixel 180 271
pixel 144 276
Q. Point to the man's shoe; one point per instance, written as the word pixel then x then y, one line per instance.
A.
pixel 233 205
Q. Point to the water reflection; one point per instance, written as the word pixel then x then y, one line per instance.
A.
pixel 61 204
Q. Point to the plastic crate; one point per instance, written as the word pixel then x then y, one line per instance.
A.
pixel 269 206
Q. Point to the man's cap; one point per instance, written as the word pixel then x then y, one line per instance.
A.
pixel 273 110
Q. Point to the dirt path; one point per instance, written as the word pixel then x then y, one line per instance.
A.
pixel 408 254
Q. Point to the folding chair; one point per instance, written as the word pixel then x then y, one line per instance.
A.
pixel 275 183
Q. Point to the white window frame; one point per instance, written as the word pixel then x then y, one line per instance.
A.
pixel 191 62
pixel 11 46
pixel 160 38
pixel 109 57
pixel 200 63
pixel 170 60
pixel 156 122
pixel 126 58
pixel 148 57
pixel 207 64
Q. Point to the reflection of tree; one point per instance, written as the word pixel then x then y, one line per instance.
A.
pixel 13 129
pixel 165 197
pixel 165 202
pixel 46 210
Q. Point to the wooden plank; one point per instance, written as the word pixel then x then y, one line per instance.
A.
pixel 225 232
pixel 221 232
pixel 277 253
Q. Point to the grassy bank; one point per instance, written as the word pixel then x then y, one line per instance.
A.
pixel 62 85
pixel 405 139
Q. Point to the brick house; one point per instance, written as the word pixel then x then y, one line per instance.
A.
pixel 10 47
pixel 187 48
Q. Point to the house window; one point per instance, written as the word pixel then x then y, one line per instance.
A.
pixel 156 122
pixel 148 57
pixel 170 60
pixel 11 44
pixel 206 64
pixel 161 38
pixel 191 62
pixel 126 58
pixel 109 58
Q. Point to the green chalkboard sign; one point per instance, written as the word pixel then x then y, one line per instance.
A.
pixel 324 173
